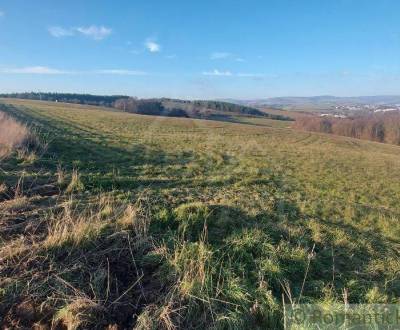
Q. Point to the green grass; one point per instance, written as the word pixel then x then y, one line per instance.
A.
pixel 233 211
pixel 263 122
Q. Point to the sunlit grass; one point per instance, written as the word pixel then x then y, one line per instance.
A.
pixel 238 215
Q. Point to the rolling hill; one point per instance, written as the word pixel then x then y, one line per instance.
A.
pixel 139 221
pixel 322 102
pixel 212 110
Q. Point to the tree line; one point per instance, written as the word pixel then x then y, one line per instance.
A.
pixel 384 127
pixel 89 99
pixel 153 107
pixel 217 110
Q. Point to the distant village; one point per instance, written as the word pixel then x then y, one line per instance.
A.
pixel 344 111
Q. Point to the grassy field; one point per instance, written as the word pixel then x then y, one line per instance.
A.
pixel 177 223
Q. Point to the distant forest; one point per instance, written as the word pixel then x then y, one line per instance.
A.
pixel 107 101
pixel 153 107
pixel 384 127
pixel 216 110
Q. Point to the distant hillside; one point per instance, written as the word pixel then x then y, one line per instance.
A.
pixel 101 100
pixel 215 109
pixel 321 101
pixel 212 105
pixel 203 109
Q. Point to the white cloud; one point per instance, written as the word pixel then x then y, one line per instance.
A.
pixel 94 32
pixel 34 70
pixel 44 70
pixel 226 56
pixel 2 13
pixel 171 57
pixel 152 46
pixel 220 55
pixel 217 73
pixel 58 32
pixel 231 74
pixel 122 72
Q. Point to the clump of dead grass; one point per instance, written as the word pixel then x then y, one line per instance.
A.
pixel 12 133
pixel 87 263
pixel 158 317
pixel 18 136
pixel 81 313
pixel 75 185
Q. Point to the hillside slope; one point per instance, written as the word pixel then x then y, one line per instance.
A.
pixel 183 223
pixel 321 101
pixel 201 109
pixel 211 110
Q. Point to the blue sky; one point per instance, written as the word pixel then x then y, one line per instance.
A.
pixel 201 49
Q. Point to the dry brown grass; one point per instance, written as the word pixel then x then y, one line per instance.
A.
pixel 87 265
pixel 12 133
pixel 76 184
pixel 81 313
pixel 17 136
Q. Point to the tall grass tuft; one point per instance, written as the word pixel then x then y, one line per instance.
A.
pixel 17 136
pixel 76 184
pixel 12 133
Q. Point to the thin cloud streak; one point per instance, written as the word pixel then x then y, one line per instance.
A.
pixel 121 72
pixel 34 70
pixel 225 56
pixel 217 73
pixel 43 70
pixel 94 32
pixel 59 32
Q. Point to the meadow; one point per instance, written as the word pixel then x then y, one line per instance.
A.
pixel 145 222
